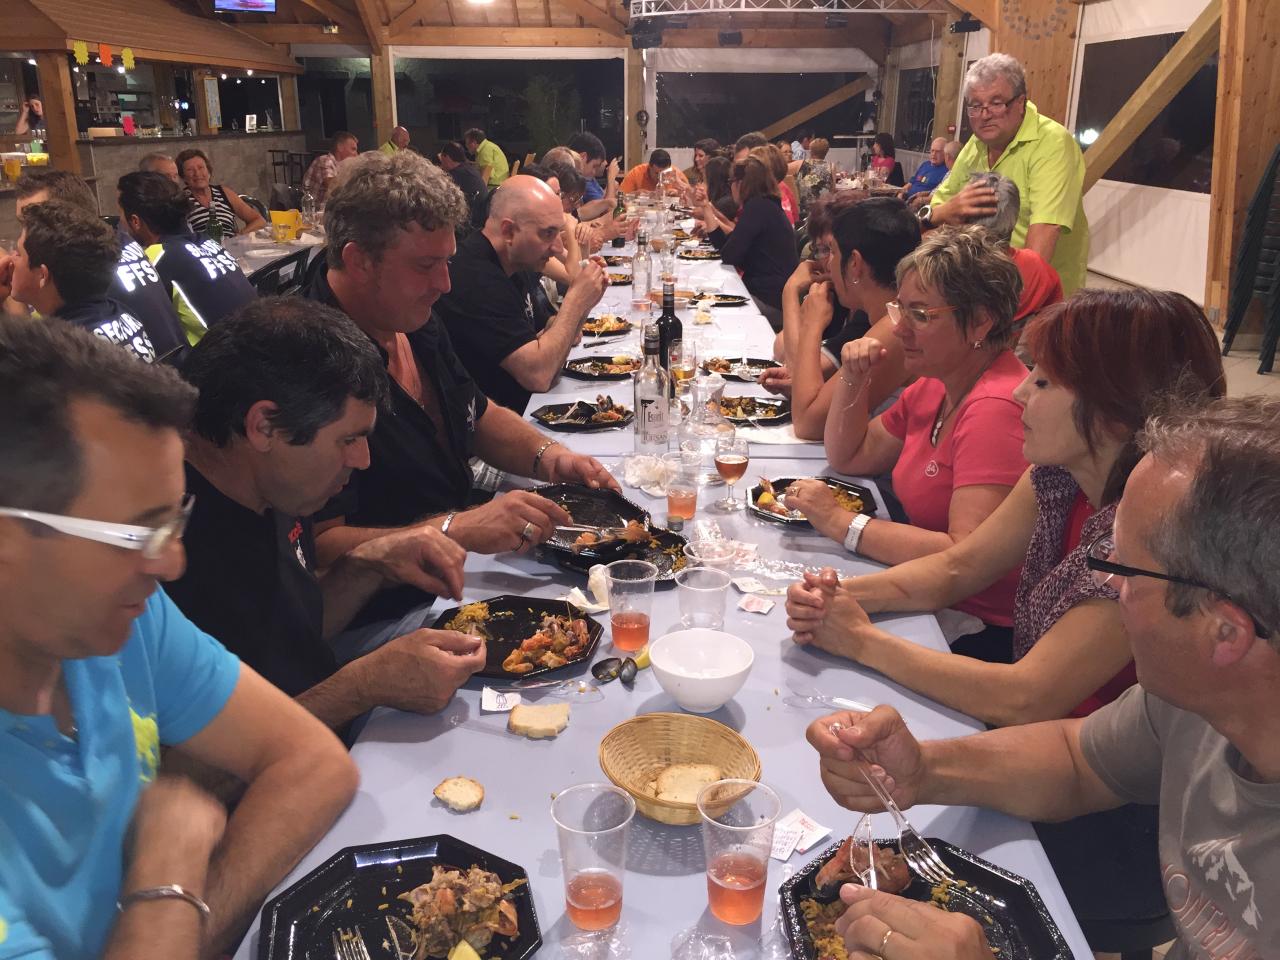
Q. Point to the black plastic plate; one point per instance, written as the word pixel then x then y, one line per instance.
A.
pixel 348 889
pixel 1013 917
pixel 698 253
pixel 724 299
pixel 757 366
pixel 549 417
pixel 608 508
pixel 781 483
pixel 782 414
pixel 581 368
pixel 513 620
pixel 620 332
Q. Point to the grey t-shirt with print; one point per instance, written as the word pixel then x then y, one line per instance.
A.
pixel 1219 830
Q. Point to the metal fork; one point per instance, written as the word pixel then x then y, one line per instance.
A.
pixel 920 857
pixel 349 945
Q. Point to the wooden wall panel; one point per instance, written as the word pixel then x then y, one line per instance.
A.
pixel 1042 35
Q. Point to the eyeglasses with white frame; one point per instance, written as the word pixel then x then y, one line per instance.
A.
pixel 151 541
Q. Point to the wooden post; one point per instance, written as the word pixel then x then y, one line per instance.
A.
pixel 1247 131
pixel 946 102
pixel 633 85
pixel 57 93
pixel 290 113
pixel 382 67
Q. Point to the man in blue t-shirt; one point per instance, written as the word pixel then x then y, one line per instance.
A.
pixel 930 173
pixel 99 671
pixel 597 201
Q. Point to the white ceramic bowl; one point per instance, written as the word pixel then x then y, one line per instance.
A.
pixel 701 669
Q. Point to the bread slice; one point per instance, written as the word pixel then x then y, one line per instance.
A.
pixel 681 782
pixel 537 722
pixel 460 794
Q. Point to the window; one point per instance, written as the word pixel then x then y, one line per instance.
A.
pixel 1176 149
pixel 913 118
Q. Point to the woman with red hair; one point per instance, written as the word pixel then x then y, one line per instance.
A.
pixel 1104 362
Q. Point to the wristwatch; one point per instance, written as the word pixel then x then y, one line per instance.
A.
pixel 925 213
pixel 854 534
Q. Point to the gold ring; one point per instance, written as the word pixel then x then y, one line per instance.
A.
pixel 887 934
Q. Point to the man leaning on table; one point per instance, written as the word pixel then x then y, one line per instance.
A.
pixel 289 393
pixel 99 671
pixel 491 311
pixel 1194 560
pixel 389 227
pixel 1040 155
pixel 489 156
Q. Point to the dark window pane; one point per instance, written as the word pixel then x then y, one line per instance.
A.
pixel 913 122
pixel 1176 149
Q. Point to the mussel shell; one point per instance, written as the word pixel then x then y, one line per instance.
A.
pixel 628 672
pixel 607 669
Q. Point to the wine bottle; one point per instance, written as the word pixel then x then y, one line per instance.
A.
pixel 652 389
pixel 670 329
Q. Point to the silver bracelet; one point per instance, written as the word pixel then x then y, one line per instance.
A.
pixel 444 527
pixel 537 457
pixel 169 891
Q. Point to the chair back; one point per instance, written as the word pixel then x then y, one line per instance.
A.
pixel 285 196
pixel 515 168
pixel 283 276
pixel 256 204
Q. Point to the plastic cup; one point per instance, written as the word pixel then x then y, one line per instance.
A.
pixel 630 601
pixel 737 835
pixel 717 554
pixel 681 483
pixel 591 824
pixel 702 591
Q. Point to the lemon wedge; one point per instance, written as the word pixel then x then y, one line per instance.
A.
pixel 642 657
pixel 463 951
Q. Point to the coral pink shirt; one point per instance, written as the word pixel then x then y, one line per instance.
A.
pixel 982 444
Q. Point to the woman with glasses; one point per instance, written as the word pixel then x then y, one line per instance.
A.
pixel 1105 361
pixel 953 440
pixel 760 243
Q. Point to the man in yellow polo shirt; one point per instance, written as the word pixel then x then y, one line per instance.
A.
pixel 489 156
pixel 398 141
pixel 1038 154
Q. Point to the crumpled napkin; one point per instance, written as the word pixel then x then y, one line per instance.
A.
pixel 599 587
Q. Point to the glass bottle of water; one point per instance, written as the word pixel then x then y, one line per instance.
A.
pixel 652 407
pixel 641 267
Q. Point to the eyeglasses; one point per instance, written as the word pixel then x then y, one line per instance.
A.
pixel 918 318
pixel 152 541
pixel 996 108
pixel 1098 559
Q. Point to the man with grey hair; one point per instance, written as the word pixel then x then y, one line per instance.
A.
pixel 1040 155
pixel 950 152
pixel 1041 285
pixel 160 163
pixel 1193 555
pixel 390 223
pixel 929 174
pixel 491 311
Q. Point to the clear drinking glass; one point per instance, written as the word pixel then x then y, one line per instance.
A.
pixel 702 591
pixel 641 311
pixel 717 554
pixel 592 821
pixel 630 601
pixel 681 481
pixel 684 363
pixel 737 835
pixel 732 456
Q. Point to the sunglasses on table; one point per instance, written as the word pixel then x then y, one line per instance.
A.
pixel 151 541
pixel 1098 559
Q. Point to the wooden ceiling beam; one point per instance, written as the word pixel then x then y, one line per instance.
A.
pixel 819 106
pixel 371 20
pixel 416 13
pixel 593 16
pixel 302 33
pixel 336 14
pixel 507 36
pixel 916 29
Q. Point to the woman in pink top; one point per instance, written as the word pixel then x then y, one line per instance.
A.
pixel 954 438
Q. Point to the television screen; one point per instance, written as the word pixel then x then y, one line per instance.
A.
pixel 245 6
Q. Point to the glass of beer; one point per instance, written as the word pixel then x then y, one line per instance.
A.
pixel 737 835
pixel 732 456
pixel 630 600
pixel 592 821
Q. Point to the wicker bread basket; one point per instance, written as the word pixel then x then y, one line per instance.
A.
pixel 634 752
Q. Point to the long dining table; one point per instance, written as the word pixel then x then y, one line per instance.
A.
pixel 403 756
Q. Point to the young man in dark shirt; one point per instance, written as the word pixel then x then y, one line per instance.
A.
pixel 463 172
pixel 62 268
pixel 289 393
pixel 136 284
pixel 490 310
pixel 203 279
pixel 389 226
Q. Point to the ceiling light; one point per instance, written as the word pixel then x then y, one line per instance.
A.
pixel 75 69
pixel 224 76
pixel 249 73
pixel 479 3
pixel 31 60
pixel 120 69
pixel 237 79
pixel 1088 137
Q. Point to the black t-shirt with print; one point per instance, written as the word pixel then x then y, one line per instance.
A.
pixel 489 316
pixel 414 471
pixel 250 583
pixel 137 285
pixel 111 321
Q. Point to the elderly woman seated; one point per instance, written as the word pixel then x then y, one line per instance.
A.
pixel 1105 361
pixel 953 439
